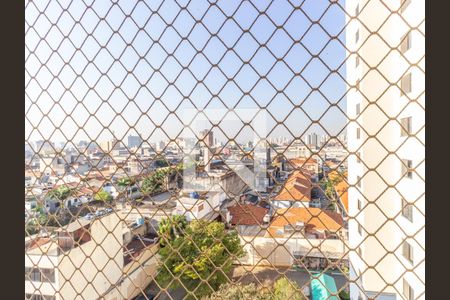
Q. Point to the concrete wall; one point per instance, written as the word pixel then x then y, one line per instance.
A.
pixel 137 275
pixel 78 274
pixel 279 252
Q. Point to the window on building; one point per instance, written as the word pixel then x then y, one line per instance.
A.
pixel 405 84
pixel 357 60
pixel 39 297
pixel 359 229
pixel 358 157
pixel 359 204
pixel 358 183
pixel 359 251
pixel 357 36
pixel 357 83
pixel 35 275
pixel 407 170
pixel 40 274
pixel 405 4
pixel 357 10
pixel 406 124
pixel 407 251
pixel 407 210
pixel 408 292
pixel 405 43
pixel 358 109
pixel 358 133
pixel 200 207
pixel 48 275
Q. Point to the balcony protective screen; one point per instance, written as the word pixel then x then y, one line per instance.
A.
pixel 224 149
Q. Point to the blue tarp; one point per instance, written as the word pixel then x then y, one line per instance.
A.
pixel 322 287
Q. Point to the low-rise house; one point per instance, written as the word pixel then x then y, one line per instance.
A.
pixel 248 219
pixel 197 206
pixel 311 223
pixel 309 164
pixel 296 192
pixel 306 237
pixel 65 264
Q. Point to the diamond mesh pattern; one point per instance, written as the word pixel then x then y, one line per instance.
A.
pixel 224 149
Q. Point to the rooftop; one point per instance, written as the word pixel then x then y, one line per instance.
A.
pixel 315 218
pixel 296 188
pixel 139 243
pixel 247 214
pixel 301 161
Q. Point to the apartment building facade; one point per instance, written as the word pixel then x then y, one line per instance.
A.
pixel 385 104
pixel 89 260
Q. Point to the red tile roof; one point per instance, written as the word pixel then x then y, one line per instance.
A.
pixel 314 217
pixel 301 162
pixel 297 188
pixel 247 214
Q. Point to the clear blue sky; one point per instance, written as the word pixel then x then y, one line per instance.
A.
pixel 204 59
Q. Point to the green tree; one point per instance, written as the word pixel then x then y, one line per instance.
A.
pixel 284 289
pixel 103 195
pixel 241 292
pixel 202 257
pixel 125 182
pixel 155 182
pixel 171 228
pixel 60 193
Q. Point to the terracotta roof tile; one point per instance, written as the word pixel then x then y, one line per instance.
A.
pixel 316 218
pixel 247 214
pixel 297 188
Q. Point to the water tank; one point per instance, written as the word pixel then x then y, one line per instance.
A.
pixel 140 221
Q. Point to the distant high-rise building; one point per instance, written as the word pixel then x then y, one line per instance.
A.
pixel 108 146
pixel 208 136
pixel 134 141
pixel 44 146
pixel 82 144
pixel 161 145
pixel 312 139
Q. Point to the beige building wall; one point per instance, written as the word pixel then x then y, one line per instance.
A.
pixel 375 203
pixel 89 270
pixel 137 275
pixel 279 252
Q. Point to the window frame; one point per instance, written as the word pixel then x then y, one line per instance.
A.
pixel 405 43
pixel 405 129
pixel 407 171
pixel 408 252
pixel 406 84
pixel 404 5
pixel 407 210
pixel 408 291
